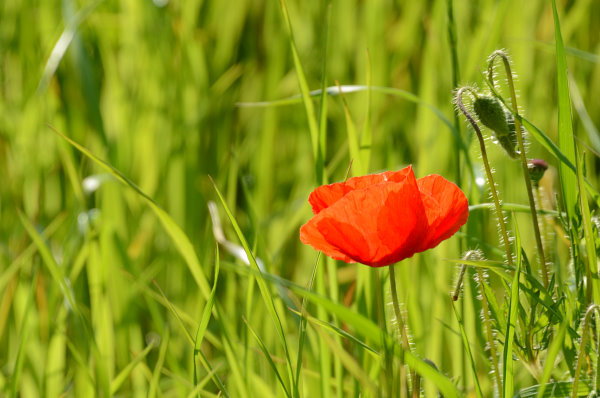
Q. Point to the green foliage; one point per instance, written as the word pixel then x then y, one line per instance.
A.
pixel 113 115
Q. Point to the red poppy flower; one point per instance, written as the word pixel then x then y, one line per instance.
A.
pixel 380 219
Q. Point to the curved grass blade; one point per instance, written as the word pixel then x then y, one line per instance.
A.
pixel 124 374
pixel 553 352
pixel 366 139
pixel 518 208
pixel 348 362
pixel 164 344
pixel 507 369
pixel 23 337
pixel 65 39
pixel 560 389
pixel 179 238
pixel 51 264
pixel 322 139
pixel 468 352
pixel 206 313
pixel 587 122
pixel 566 142
pixel 267 355
pixel 353 143
pixel 340 332
pixel 302 333
pixel 202 383
pixel 303 84
pixel 396 92
pixel 203 358
pixel 362 325
pixel 264 289
pixel 26 254
pixel 586 220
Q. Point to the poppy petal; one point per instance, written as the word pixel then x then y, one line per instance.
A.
pixel 326 195
pixel 446 208
pixel 311 235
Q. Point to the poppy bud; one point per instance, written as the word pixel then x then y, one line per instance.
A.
pixel 537 168
pixel 492 114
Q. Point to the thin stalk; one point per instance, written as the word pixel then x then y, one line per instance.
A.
pixel 459 282
pixel 488 172
pixel 455 71
pixel 401 326
pixel 490 333
pixel 520 142
pixel 592 309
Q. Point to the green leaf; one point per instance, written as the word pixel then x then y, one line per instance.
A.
pixel 468 352
pixel 206 313
pixel 553 352
pixel 568 179
pixel 561 389
pixel 507 371
pixel 304 90
pixel 124 374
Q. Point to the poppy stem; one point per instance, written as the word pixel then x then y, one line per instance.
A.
pixel 520 141
pixel 488 171
pixel 401 325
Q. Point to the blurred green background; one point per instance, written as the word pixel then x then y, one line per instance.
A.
pixel 154 89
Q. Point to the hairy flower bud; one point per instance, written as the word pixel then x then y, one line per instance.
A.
pixel 537 168
pixel 492 114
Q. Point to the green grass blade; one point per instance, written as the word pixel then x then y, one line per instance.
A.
pixel 175 313
pixel 302 333
pixel 25 255
pixel 23 338
pixel 396 92
pixel 51 264
pixel 366 139
pixel 468 352
pixel 353 142
pixel 201 384
pixel 587 122
pixel 340 332
pixel 566 143
pixel 158 367
pixel 203 359
pixel 65 39
pixel 322 152
pixel 124 374
pixel 363 326
pixel 560 389
pixel 267 355
pixel 553 351
pixel 349 363
pixel 507 369
pixel 590 239
pixel 264 289
pixel 304 90
pixel 206 313
pixel 179 238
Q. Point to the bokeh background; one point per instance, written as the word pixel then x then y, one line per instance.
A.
pixel 160 90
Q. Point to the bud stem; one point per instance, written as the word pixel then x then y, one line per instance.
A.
pixel 488 171
pixel 520 142
pixel 402 328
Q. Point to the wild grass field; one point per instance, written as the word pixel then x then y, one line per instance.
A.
pixel 124 124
